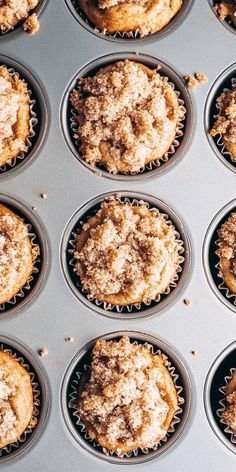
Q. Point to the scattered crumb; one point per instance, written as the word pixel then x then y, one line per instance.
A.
pixel 43 352
pixel 187 301
pixel 193 82
pixel 44 196
pixel 194 353
pixel 34 208
pixel 31 25
pixel 70 339
pixel 99 174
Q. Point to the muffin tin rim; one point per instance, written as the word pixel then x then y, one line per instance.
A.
pixel 42 234
pixel 206 396
pixel 184 373
pixel 46 393
pixel 173 25
pixel 45 116
pixel 205 251
pixel 148 59
pixel 181 227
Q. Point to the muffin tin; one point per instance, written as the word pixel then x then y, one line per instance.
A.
pixel 197 189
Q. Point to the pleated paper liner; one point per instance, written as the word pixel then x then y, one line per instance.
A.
pixel 217 110
pixel 170 154
pixel 34 125
pixel 223 404
pixel 37 401
pixel 39 256
pixel 79 376
pixel 134 308
pixel 19 27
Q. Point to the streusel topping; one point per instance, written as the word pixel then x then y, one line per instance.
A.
pixel 124 116
pixel 130 251
pixel 229 414
pixel 225 124
pixel 122 401
pixel 111 3
pixel 13 11
pixel 227 242
pixel 226 10
pixel 7 414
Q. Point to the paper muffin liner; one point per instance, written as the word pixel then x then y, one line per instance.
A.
pixel 221 286
pixel 36 268
pixel 36 402
pixel 151 165
pixel 137 306
pixel 223 405
pixel 73 405
pixel 33 121
pixel 218 140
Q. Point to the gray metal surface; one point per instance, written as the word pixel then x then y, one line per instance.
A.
pixel 197 189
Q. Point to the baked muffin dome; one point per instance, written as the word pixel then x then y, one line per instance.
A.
pixel 225 124
pixel 13 12
pixel 227 252
pixel 126 253
pixel 130 16
pixel 128 116
pixel 14 116
pixel 229 414
pixel 16 399
pixel 16 254
pixel 130 398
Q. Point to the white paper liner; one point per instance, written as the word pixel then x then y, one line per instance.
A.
pixel 223 404
pixel 219 142
pixel 36 268
pixel 222 287
pixel 137 306
pixel 73 404
pixel 32 124
pixel 36 402
pixel 151 165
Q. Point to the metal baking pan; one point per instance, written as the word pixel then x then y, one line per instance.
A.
pixel 197 189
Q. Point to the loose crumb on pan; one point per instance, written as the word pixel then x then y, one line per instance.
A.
pixel 31 25
pixel 227 242
pixel 229 414
pixel 194 352
pixel 193 82
pixel 69 339
pixel 187 301
pixel 34 208
pixel 43 352
pixel 44 196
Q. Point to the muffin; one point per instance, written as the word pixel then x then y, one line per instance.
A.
pixel 12 12
pixel 225 124
pixel 130 398
pixel 229 414
pixel 17 255
pixel 14 116
pixel 227 252
pixel 127 115
pixel 126 253
pixel 226 10
pixel 130 17
pixel 16 400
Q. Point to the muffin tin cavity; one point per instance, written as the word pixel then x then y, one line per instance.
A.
pixel 223 83
pixel 41 395
pixel 75 377
pixel 227 22
pixel 213 395
pixel 80 16
pixel 211 260
pixel 184 131
pixel 19 27
pixel 132 311
pixel 37 236
pixel 38 118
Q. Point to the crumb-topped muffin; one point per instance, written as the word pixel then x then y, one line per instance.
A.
pixel 127 115
pixel 14 116
pixel 227 252
pixel 130 17
pixel 17 255
pixel 16 400
pixel 13 12
pixel 225 124
pixel 229 414
pixel 226 10
pixel 126 253
pixel 130 398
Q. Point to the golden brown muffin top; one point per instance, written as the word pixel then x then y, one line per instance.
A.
pixel 227 241
pixel 123 402
pixel 125 110
pixel 225 124
pixel 229 414
pixel 7 414
pixel 13 11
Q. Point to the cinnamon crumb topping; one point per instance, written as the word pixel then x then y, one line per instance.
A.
pixel 226 10
pixel 229 414
pixel 31 25
pixel 199 79
pixel 227 242
pixel 225 124
pixel 14 11
pixel 187 301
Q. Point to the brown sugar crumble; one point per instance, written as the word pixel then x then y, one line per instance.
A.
pixel 226 11
pixel 193 82
pixel 31 25
pixel 13 12
pixel 43 352
pixel 229 414
pixel 225 124
pixel 187 301
pixel 227 242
